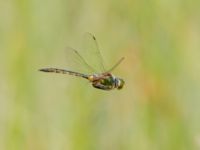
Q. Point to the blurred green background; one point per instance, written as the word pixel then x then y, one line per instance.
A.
pixel 159 107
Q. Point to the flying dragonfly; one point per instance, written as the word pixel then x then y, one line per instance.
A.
pixel 97 75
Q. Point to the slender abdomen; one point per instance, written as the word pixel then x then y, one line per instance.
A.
pixel 55 70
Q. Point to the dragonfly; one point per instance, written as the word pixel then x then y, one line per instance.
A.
pixel 97 75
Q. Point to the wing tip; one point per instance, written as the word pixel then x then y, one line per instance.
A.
pixel 92 35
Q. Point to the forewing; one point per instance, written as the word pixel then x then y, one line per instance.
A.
pixel 116 65
pixel 92 54
pixel 76 62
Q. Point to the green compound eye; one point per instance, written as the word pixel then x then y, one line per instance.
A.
pixel 120 84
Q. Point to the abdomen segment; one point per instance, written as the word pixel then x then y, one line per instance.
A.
pixel 55 70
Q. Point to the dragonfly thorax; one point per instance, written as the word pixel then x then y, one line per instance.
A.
pixel 106 81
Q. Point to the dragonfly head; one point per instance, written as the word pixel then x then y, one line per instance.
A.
pixel 119 83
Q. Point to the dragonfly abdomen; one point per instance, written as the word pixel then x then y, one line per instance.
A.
pixel 55 70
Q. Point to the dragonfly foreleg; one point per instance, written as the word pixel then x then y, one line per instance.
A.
pixel 101 86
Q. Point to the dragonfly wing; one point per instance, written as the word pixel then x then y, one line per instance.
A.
pixel 117 64
pixel 76 62
pixel 92 53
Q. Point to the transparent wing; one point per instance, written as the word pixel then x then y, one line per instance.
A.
pixel 117 64
pixel 76 62
pixel 92 54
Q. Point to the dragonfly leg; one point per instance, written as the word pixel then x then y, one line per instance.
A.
pixel 101 86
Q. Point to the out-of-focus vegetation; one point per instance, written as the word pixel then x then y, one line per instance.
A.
pixel 159 107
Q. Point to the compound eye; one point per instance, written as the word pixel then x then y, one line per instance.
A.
pixel 120 84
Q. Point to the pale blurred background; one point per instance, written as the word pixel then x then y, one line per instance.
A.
pixel 159 107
